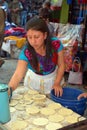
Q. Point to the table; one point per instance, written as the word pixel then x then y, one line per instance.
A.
pixel 24 119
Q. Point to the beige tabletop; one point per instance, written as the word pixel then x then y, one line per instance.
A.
pixel 31 110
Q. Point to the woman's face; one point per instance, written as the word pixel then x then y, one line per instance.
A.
pixel 36 38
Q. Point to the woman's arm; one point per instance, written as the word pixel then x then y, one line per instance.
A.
pixel 18 74
pixel 60 74
pixel 82 95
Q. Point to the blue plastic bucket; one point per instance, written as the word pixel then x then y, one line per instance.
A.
pixel 69 99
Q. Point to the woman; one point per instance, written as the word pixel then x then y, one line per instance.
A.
pixel 43 56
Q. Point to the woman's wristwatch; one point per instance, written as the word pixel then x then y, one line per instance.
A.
pixel 10 95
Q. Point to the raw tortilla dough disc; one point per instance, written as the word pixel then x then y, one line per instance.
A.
pixel 19 125
pixel 13 102
pixel 20 107
pixel 39 97
pixel 27 97
pixel 56 118
pixel 65 112
pixel 32 110
pixel 12 109
pixel 40 121
pixel 20 90
pixel 54 105
pixel 47 111
pixel 32 92
pixel 81 118
pixel 23 116
pixel 28 102
pixel 40 104
pixel 34 128
pixel 71 119
pixel 53 126
pixel 17 97
pixel 76 115
pixel 21 101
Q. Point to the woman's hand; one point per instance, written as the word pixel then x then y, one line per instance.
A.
pixel 58 90
pixel 82 95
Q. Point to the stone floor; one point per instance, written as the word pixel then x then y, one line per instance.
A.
pixel 8 68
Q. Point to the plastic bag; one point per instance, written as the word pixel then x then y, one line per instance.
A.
pixel 75 77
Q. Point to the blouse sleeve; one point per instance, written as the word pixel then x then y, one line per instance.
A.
pixel 57 44
pixel 22 55
pixel 61 47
